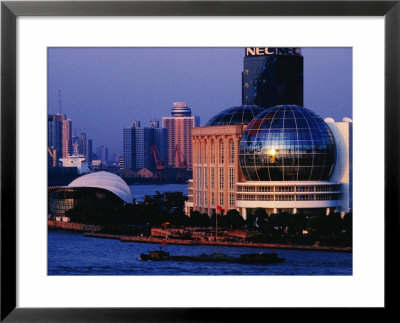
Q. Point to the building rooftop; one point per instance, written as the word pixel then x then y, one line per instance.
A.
pixel 242 114
pixel 106 181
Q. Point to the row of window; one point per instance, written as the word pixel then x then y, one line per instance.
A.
pixel 202 178
pixel 221 200
pixel 301 188
pixel 201 154
pixel 288 197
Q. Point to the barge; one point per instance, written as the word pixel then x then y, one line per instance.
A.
pixel 252 258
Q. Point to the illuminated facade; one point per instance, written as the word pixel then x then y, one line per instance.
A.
pixel 215 156
pixel 286 159
pixel 179 127
pixel 59 135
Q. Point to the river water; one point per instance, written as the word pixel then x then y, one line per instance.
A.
pixel 139 190
pixel 71 253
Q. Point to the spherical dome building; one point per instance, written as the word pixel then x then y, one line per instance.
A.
pixel 283 159
pixel 287 143
pixel 242 114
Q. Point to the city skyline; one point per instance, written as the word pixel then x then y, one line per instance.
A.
pixel 104 89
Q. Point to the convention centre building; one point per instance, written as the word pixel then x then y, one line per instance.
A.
pixel 284 158
pixel 271 152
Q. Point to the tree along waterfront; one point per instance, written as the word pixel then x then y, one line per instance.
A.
pixel 167 208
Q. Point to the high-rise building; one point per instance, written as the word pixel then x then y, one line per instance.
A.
pixel 160 140
pixel 179 127
pixel 85 147
pixel 272 76
pixel 137 145
pixel 54 139
pixel 102 154
pixel 59 135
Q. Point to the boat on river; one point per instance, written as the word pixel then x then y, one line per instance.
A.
pixel 155 255
pixel 252 258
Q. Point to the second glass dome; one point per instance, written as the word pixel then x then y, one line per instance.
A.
pixel 241 114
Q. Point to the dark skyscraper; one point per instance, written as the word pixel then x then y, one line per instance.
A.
pixel 85 147
pixel 160 137
pixel 102 154
pixel 272 76
pixel 137 145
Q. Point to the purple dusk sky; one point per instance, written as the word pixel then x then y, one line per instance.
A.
pixel 104 89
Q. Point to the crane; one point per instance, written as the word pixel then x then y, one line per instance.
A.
pixel 159 172
pixel 53 154
pixel 182 165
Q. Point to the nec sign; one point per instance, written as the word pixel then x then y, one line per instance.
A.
pixel 262 51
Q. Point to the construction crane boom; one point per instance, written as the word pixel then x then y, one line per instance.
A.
pixel 182 165
pixel 159 172
pixel 181 159
pixel 53 154
pixel 159 162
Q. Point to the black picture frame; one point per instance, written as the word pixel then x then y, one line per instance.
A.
pixel 10 10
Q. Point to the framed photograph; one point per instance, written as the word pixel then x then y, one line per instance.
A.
pixel 159 154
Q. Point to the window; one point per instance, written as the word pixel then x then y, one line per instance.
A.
pixel 221 199
pixel 212 199
pixel 231 199
pixel 284 189
pixel 197 152
pixel 221 178
pixel 232 152
pixel 212 178
pixel 265 189
pixel 231 178
pixel 243 197
pixel 199 178
pixel 284 197
pixel 205 178
pixel 221 152
pixel 205 199
pixel 203 153
pixel 305 197
pixel 213 152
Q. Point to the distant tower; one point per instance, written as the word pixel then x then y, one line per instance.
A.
pixel 102 154
pixel 179 127
pixel 272 76
pixel 59 134
pixel 137 143
pixel 160 139
pixel 85 147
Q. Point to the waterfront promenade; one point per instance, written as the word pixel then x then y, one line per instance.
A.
pixel 215 243
pixel 91 232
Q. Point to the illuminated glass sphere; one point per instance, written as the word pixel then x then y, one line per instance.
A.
pixel 287 143
pixel 242 114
